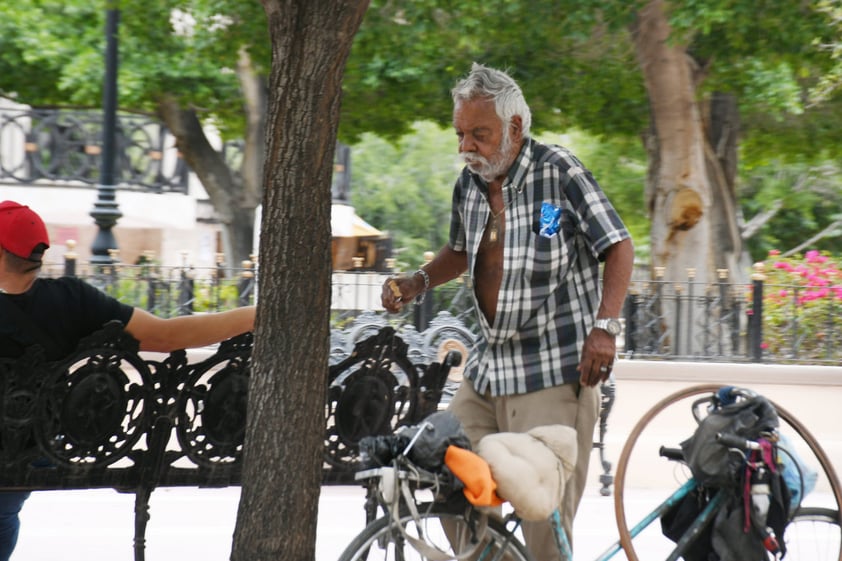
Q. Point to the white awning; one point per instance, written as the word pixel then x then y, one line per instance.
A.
pixel 344 223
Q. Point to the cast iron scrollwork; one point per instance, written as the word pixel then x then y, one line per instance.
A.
pixel 372 392
pixel 22 379
pixel 95 406
pixel 212 409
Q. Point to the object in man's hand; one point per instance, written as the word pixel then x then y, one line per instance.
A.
pixel 395 290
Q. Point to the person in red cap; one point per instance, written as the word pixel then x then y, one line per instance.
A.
pixel 58 313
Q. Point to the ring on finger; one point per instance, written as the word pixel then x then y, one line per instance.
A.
pixel 603 369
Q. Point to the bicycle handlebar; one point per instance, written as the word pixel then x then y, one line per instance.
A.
pixel 734 441
pixel 671 453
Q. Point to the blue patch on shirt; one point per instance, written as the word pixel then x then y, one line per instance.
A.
pixel 550 220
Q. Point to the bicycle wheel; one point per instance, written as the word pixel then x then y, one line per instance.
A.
pixel 670 421
pixel 814 534
pixel 384 540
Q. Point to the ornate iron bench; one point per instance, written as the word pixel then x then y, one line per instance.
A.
pixel 105 417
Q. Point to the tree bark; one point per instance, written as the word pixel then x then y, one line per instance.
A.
pixel 722 122
pixel 679 196
pixel 282 468
pixel 690 186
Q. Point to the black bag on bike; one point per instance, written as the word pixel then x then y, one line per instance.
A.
pixel 429 438
pixel 676 521
pixel 710 461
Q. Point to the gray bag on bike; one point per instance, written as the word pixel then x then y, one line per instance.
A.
pixel 711 462
pixel 432 436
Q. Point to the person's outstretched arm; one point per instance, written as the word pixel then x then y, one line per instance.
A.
pixel 446 265
pixel 184 332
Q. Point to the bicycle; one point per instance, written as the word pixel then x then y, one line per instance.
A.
pixel 416 502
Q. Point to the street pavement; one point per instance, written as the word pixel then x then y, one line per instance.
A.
pixel 189 524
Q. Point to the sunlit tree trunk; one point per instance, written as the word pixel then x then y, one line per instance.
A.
pixel 282 468
pixel 690 189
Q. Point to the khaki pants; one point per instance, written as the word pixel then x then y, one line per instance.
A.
pixel 570 404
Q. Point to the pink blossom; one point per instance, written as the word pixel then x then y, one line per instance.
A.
pixel 816 280
pixel 814 256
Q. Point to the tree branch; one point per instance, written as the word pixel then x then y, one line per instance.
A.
pixel 759 220
pixel 832 230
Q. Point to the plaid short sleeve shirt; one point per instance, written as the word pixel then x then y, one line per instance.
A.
pixel 550 290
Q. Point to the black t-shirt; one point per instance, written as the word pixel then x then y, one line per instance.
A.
pixel 66 309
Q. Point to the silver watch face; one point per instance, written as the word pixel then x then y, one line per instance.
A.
pixel 610 325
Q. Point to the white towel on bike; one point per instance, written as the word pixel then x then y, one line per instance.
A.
pixel 531 468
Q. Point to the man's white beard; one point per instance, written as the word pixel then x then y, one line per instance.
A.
pixel 495 166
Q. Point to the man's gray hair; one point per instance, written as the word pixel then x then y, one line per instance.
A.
pixel 485 82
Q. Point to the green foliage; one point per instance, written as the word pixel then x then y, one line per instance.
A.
pixel 407 56
pixel 801 305
pixel 769 54
pixel 404 187
pixel 809 197
pixel 575 61
pixel 214 297
pixel 163 292
pixel 51 53
pixel 831 81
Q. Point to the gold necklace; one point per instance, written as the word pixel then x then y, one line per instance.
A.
pixel 494 221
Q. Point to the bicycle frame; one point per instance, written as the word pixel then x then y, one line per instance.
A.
pixel 695 529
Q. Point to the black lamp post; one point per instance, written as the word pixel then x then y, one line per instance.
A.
pixel 105 212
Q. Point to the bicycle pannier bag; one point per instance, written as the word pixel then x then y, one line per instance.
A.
pixel 711 462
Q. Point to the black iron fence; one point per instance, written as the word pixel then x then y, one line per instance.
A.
pixel 66 146
pixel 722 321
pixel 732 321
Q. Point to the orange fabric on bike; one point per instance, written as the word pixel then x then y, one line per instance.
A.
pixel 473 471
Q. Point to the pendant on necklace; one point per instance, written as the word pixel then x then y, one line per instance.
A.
pixel 492 230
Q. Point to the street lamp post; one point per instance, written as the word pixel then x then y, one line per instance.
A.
pixel 106 212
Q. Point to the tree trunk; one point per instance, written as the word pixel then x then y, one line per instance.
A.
pixel 229 195
pixel 282 468
pixel 679 192
pixel 680 197
pixel 722 120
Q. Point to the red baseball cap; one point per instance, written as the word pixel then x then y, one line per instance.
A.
pixel 22 231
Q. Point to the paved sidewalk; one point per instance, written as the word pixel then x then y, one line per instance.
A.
pixel 197 525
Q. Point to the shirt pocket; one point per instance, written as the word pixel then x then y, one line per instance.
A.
pixel 550 252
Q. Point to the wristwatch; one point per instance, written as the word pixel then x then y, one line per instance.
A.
pixel 611 325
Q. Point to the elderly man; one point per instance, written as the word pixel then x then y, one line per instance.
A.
pixel 531 226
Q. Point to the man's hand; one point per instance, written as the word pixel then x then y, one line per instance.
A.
pixel 397 291
pixel 598 356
